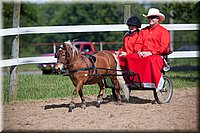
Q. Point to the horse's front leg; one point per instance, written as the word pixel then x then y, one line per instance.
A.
pixel 76 90
pixel 101 92
pixel 82 98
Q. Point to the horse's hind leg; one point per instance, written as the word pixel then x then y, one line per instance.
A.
pixel 82 98
pixel 101 92
pixel 117 89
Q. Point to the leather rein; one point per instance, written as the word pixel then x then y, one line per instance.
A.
pixel 88 68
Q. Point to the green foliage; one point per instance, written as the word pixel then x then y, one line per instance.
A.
pixel 7 15
pixel 183 12
pixel 66 14
pixel 63 14
pixel 189 38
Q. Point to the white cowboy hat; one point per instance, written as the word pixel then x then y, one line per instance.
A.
pixel 155 12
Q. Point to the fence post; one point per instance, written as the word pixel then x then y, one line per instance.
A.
pixel 101 46
pixel 127 12
pixel 171 21
pixel 14 54
pixel 54 47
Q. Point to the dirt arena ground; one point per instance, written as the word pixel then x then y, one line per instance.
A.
pixel 140 114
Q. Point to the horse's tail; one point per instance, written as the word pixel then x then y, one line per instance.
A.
pixel 121 80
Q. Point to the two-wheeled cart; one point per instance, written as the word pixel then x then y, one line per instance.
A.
pixel 162 96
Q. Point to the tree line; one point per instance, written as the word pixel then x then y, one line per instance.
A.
pixel 63 14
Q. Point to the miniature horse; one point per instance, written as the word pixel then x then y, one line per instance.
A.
pixel 81 68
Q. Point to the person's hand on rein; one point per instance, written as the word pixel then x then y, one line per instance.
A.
pixel 120 54
pixel 144 54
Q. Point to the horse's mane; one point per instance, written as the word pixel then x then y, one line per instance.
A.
pixel 73 47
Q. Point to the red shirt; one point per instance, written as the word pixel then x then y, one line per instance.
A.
pixel 155 40
pixel 129 42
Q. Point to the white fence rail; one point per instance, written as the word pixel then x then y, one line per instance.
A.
pixel 84 28
pixel 27 60
pixel 51 59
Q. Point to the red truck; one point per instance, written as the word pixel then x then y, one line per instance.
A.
pixel 83 47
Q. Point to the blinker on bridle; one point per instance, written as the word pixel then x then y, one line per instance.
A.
pixel 61 47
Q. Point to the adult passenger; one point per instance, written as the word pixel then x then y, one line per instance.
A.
pixel 153 41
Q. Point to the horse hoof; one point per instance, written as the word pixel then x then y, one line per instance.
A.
pixel 83 106
pixel 70 109
pixel 98 104
pixel 119 103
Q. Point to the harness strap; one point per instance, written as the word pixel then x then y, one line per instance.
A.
pixel 81 69
pixel 91 59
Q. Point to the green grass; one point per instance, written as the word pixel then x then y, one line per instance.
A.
pixel 184 62
pixel 44 87
pixel 23 68
pixel 183 79
pixel 56 86
pixel 29 67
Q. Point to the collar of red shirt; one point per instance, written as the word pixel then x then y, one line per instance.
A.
pixel 152 28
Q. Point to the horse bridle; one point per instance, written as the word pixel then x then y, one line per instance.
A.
pixel 65 65
pixel 66 58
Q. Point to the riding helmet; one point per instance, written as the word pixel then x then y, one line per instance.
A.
pixel 134 21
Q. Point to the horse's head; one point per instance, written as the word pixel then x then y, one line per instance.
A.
pixel 61 58
pixel 65 53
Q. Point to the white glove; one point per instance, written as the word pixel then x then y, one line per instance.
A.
pixel 144 54
pixel 123 54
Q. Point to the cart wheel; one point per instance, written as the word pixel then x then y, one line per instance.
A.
pixel 164 95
